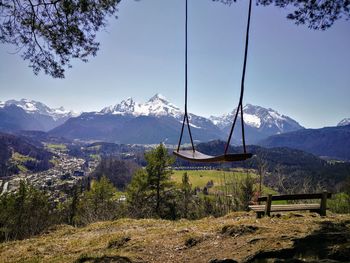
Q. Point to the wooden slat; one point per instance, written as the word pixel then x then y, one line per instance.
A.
pixel 294 197
pixel 295 207
pixel 280 208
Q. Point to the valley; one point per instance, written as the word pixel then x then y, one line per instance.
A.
pixel 57 181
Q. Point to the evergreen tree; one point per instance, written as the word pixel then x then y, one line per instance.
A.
pixel 186 194
pixel 24 213
pixel 247 187
pixel 152 187
pixel 98 203
pixel 138 196
pixel 158 160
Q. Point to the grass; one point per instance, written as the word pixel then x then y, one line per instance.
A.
pixel 200 178
pixel 57 147
pixel 95 156
pixel 19 160
pixel 94 148
pixel 238 235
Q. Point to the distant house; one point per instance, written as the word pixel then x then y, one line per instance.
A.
pixel 78 173
pixel 122 198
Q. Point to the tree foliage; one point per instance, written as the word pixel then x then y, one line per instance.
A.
pixel 24 213
pixel 152 187
pixel 98 203
pixel 49 33
pixel 119 172
pixel 316 14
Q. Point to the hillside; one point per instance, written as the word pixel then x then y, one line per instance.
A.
pixel 237 237
pixel 331 142
pixel 17 154
pixel 294 165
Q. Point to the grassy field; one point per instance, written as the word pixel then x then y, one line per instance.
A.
pixel 19 160
pixel 58 147
pixel 199 178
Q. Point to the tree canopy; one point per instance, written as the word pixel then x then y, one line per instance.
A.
pixel 50 33
pixel 316 14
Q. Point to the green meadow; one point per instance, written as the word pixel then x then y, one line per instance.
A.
pixel 199 178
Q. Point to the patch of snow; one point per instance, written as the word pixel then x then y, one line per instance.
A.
pixel 276 115
pixel 252 120
pixel 192 125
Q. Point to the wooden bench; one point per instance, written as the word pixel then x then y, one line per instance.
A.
pixel 268 207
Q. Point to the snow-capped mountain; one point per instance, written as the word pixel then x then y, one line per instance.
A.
pixel 260 122
pixel 344 122
pixel 158 105
pixel 159 120
pixel 129 121
pixel 156 120
pixel 36 107
pixel 27 114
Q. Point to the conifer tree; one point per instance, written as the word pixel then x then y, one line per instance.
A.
pixel 153 187
pixel 98 203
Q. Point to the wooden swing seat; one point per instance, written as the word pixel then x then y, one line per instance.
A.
pixel 195 156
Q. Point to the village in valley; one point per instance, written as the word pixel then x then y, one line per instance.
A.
pixel 57 181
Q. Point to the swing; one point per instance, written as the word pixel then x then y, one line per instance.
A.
pixel 196 156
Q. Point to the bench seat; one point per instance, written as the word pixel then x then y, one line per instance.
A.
pixel 268 207
pixel 285 208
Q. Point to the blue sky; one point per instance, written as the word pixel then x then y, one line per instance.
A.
pixel 299 72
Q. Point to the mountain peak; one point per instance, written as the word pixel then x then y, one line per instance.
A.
pixel 344 122
pixel 160 97
pixel 259 118
pixel 158 105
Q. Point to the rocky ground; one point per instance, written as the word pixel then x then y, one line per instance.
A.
pixel 237 237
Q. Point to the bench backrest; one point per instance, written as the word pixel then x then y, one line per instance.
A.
pixel 294 197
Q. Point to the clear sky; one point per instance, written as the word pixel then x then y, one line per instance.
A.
pixel 299 72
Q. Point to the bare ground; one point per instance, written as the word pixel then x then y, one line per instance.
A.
pixel 237 237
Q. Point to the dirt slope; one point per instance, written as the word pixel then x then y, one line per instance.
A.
pixel 237 237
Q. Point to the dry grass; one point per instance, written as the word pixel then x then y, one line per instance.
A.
pixel 239 236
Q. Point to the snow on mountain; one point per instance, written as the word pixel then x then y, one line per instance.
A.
pixel 35 107
pixel 158 105
pixel 266 121
pixel 259 118
pixel 344 122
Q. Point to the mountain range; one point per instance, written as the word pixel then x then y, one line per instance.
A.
pixel 158 120
pixel 31 115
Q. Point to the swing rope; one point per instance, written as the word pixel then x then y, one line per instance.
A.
pixel 226 157
pixel 240 104
pixel 186 84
